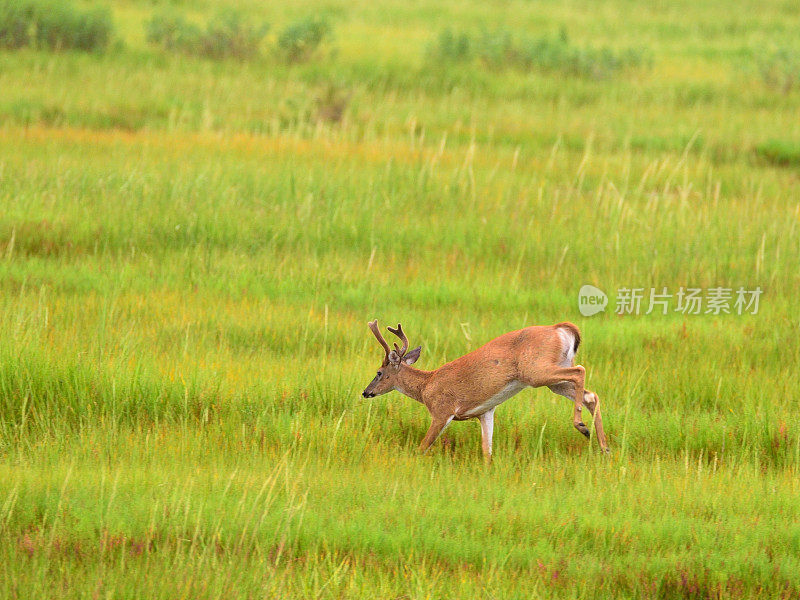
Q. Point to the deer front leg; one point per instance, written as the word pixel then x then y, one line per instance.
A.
pixel 434 431
pixel 487 429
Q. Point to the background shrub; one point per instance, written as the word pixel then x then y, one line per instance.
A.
pixel 453 46
pixel 779 152
pixel 61 27
pixel 332 102
pixel 780 69
pixel 226 35
pixel 173 32
pixel 301 39
pixel 500 49
pixel 16 22
pixel 54 26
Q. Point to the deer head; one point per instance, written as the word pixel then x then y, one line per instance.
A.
pixel 394 361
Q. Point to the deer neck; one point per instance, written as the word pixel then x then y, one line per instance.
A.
pixel 411 382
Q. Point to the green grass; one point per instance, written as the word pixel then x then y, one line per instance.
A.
pixel 190 251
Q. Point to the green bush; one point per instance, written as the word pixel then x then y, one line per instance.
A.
pixel 60 27
pixel 780 69
pixel 227 35
pixel 332 102
pixel 454 46
pixel 779 152
pixel 54 26
pixel 301 39
pixel 16 22
pixel 173 32
pixel 500 49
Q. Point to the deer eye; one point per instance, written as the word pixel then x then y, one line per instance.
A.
pixel 380 374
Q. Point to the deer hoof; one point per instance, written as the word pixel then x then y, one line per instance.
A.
pixel 583 429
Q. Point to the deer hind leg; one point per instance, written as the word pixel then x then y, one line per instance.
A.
pixel 590 401
pixel 573 377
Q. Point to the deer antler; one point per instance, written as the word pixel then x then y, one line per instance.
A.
pixel 399 333
pixel 373 325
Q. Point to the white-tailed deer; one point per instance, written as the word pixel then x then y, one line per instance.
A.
pixel 475 384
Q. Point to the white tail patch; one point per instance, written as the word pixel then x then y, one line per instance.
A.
pixel 567 346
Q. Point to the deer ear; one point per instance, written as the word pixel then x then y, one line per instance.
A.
pixel 394 358
pixel 412 355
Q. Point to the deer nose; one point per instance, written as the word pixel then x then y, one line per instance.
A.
pixel 367 395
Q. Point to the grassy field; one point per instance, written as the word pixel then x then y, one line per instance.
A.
pixel 190 250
